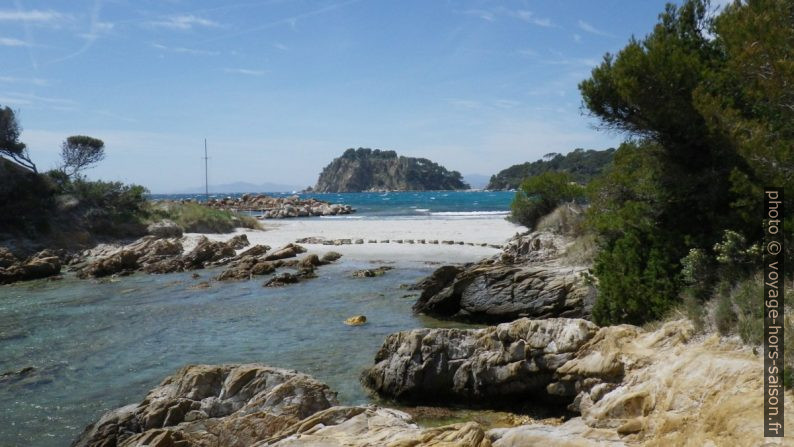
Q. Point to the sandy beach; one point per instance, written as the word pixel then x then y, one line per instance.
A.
pixel 491 230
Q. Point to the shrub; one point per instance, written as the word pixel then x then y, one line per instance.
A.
pixel 636 280
pixel 541 194
pixel 197 218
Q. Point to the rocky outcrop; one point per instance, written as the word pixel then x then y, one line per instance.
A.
pixel 281 207
pixel 525 280
pixel 375 170
pixel 209 405
pixel 582 165
pixel 495 366
pixel 41 265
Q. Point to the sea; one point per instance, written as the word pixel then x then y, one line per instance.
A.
pixel 96 345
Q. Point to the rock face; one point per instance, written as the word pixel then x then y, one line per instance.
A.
pixel 525 280
pixel 206 405
pixel 281 207
pixel 493 366
pixel 375 170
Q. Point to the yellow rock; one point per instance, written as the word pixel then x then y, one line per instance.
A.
pixel 356 320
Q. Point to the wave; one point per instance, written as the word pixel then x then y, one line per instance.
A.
pixel 470 213
pixel 421 210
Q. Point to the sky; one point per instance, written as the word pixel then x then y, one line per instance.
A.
pixel 279 88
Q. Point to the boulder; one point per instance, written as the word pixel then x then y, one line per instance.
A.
pixel 119 262
pixel 330 257
pixel 287 251
pixel 494 366
pixel 282 280
pixel 238 242
pixel 165 229
pixel 371 273
pixel 208 251
pixel 206 405
pixel 41 265
pixel 356 320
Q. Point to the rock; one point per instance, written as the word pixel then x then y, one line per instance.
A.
pixel 238 242
pixel 358 241
pixel 256 250
pixel 208 251
pixel 119 262
pixel 287 251
pixel 330 257
pixel 7 259
pixel 202 405
pixel 356 320
pixel 283 207
pixel 247 267
pixel 371 273
pixel 310 261
pixel 282 280
pixel 525 280
pixel 165 229
pixel 493 366
pixel 374 427
pixel 41 265
pixel 311 240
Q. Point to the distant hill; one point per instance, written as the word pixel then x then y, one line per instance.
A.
pixel 241 187
pixel 376 170
pixel 476 181
pixel 582 164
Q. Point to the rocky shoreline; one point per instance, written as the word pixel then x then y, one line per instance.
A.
pixel 280 207
pixel 623 386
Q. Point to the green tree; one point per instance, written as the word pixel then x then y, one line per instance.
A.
pixel 10 146
pixel 79 152
pixel 539 195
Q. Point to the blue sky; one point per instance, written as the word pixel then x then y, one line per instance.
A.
pixel 279 88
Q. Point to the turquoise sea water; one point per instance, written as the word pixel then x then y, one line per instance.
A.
pixel 96 346
pixel 412 204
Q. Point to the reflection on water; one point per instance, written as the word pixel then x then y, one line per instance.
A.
pixel 97 346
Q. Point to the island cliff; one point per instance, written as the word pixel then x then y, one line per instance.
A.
pixel 376 170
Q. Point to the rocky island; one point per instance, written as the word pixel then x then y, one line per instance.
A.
pixel 376 170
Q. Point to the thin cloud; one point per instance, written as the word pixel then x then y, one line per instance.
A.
pixel 244 71
pixel 185 22
pixel 35 81
pixel 183 50
pixel 488 16
pixel 593 30
pixel 31 16
pixel 11 42
pixel 529 17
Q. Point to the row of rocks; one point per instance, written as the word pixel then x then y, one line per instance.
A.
pixel 525 280
pixel 322 241
pixel 281 207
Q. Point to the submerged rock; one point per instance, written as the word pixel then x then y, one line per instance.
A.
pixel 371 273
pixel 493 366
pixel 356 320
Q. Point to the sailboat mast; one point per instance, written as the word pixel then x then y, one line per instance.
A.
pixel 206 175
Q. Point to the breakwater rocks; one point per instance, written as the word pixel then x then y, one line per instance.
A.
pixel 526 279
pixel 318 240
pixel 281 207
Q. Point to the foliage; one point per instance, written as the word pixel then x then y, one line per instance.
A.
pixel 26 200
pixel 540 195
pixel 79 152
pixel 10 146
pixel 198 218
pixel 709 112
pixel 583 165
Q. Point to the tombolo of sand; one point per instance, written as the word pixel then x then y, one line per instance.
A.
pixel 408 239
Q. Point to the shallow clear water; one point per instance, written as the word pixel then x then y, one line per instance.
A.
pixel 98 346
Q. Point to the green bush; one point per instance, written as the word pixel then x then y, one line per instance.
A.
pixel 541 194
pixel 635 280
pixel 197 218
